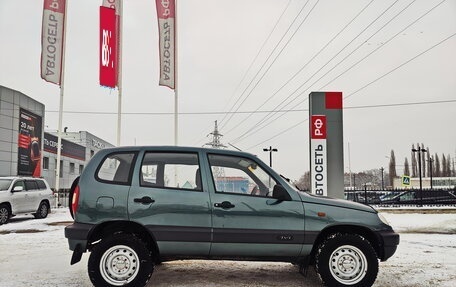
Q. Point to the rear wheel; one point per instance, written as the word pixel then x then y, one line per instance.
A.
pixel 5 214
pixel 43 210
pixel 346 260
pixel 121 260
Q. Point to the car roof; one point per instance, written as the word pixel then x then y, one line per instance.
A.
pixel 20 177
pixel 181 149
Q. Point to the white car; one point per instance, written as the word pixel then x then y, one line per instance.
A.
pixel 24 195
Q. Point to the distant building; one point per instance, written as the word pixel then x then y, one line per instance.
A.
pixel 25 149
pixel 232 184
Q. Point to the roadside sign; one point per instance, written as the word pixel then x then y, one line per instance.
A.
pixel 406 180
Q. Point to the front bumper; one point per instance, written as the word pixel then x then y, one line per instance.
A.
pixel 390 240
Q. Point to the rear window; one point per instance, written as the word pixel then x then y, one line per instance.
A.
pixel 116 168
pixel 41 184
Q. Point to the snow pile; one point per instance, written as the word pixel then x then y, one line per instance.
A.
pixel 422 223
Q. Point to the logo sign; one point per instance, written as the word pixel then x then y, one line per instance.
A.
pixel 406 180
pixel 108 47
pixel 52 40
pixel 165 15
pixel 318 160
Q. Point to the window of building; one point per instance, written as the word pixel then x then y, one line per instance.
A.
pixel 72 167
pixel 45 163
pixel 92 153
pixel 81 167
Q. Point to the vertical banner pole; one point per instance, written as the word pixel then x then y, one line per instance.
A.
pixel 59 133
pixel 176 83
pixel 119 80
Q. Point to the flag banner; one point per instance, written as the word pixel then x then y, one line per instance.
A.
pixel 165 15
pixel 108 47
pixel 318 155
pixel 52 33
pixel 116 5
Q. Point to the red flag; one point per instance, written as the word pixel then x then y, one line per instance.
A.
pixel 108 47
pixel 166 29
pixel 52 35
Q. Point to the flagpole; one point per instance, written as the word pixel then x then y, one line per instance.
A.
pixel 59 132
pixel 176 89
pixel 119 76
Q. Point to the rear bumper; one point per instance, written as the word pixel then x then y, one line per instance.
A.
pixel 78 234
pixel 390 241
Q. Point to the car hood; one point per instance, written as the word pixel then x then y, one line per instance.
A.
pixel 310 198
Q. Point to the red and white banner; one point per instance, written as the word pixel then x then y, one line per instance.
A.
pixel 166 28
pixel 318 155
pixel 52 34
pixel 108 47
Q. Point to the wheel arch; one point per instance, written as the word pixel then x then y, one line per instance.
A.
pixel 121 226
pixel 365 232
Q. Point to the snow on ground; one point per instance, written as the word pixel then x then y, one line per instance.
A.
pixel 35 253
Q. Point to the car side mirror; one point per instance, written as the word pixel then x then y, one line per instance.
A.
pixel 280 193
pixel 18 188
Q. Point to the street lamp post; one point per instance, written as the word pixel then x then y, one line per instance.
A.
pixel 419 151
pixel 270 150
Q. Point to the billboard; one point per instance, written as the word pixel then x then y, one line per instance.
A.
pixel 108 47
pixel 29 144
pixel 318 155
pixel 166 28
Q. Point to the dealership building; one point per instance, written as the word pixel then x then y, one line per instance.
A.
pixel 27 150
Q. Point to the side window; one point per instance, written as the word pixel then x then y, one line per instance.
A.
pixel 31 185
pixel 233 174
pixel 116 168
pixel 171 170
pixel 19 183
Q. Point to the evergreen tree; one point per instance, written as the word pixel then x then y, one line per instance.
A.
pixel 392 168
pixel 444 165
pixel 406 167
pixel 448 166
pixel 423 161
pixel 414 165
pixel 429 163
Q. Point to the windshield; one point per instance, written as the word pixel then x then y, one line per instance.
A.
pixel 5 184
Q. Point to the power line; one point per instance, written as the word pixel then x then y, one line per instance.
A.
pixel 257 112
pixel 303 67
pixel 365 86
pixel 277 56
pixel 256 57
pixel 258 126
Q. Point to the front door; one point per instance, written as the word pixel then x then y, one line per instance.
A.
pixel 247 221
pixel 168 197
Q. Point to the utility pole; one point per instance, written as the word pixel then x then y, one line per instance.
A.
pixel 216 136
pixel 419 151
pixel 270 150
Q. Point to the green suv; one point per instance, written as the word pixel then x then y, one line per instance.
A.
pixel 134 207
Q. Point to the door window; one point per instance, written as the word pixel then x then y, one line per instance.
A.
pixel 31 185
pixel 171 170
pixel 232 174
pixel 116 168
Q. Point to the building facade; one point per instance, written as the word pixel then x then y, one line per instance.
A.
pixel 27 150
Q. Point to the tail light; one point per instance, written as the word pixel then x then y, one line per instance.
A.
pixel 75 200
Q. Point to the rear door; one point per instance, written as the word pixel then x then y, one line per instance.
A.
pixel 32 195
pixel 247 221
pixel 168 197
pixel 19 199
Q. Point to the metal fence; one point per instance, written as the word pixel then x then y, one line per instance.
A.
pixel 403 197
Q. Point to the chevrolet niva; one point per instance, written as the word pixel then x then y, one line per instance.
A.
pixel 134 207
pixel 24 195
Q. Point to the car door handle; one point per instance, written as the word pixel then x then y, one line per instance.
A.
pixel 224 205
pixel 144 200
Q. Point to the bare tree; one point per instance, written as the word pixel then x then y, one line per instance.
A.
pixel 444 165
pixel 303 183
pixel 437 165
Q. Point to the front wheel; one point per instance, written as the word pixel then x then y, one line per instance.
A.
pixel 120 260
pixel 346 260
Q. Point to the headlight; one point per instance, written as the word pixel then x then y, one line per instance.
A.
pixel 383 219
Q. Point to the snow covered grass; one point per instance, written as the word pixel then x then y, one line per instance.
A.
pixel 35 253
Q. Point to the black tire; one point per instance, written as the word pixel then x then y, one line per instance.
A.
pixel 346 260
pixel 120 260
pixel 43 210
pixel 5 214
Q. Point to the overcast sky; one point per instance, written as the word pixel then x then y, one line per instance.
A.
pixel 218 40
